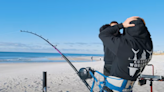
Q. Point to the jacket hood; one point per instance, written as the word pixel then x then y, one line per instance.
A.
pixel 138 31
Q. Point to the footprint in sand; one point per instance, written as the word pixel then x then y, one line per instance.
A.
pixel 5 83
pixel 35 81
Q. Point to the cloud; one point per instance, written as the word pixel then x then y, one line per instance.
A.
pixel 158 45
pixel 11 44
pixel 96 43
pixel 82 43
pixel 76 49
pixel 70 49
pixel 76 43
pixel 70 43
pixel 22 47
pixel 16 46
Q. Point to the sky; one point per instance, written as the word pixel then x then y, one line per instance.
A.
pixel 72 25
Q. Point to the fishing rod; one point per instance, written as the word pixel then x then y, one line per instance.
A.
pixel 86 84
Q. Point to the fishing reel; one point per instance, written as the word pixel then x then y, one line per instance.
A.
pixel 84 73
pixel 141 81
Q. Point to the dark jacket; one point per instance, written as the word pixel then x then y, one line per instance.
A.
pixel 108 55
pixel 132 51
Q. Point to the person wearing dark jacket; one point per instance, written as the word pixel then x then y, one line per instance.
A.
pixel 108 55
pixel 132 52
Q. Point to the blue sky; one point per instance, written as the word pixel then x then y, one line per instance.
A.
pixel 72 25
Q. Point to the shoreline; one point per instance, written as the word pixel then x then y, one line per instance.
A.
pixel 57 59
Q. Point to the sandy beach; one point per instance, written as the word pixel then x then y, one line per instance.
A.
pixel 27 77
pixel 86 58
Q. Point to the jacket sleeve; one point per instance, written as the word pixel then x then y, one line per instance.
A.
pixel 104 27
pixel 108 38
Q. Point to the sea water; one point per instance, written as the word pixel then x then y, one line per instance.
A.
pixel 28 57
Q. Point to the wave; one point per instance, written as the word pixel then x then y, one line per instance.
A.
pixel 33 60
pixel 25 60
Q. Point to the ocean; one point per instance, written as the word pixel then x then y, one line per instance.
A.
pixel 29 57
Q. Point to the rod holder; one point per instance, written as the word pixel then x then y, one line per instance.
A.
pixel 44 81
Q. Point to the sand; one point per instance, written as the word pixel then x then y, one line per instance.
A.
pixel 87 58
pixel 27 77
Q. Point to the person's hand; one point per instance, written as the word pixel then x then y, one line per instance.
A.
pixel 128 20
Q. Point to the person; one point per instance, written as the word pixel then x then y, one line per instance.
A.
pixel 100 58
pixel 92 58
pixel 108 55
pixel 132 51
